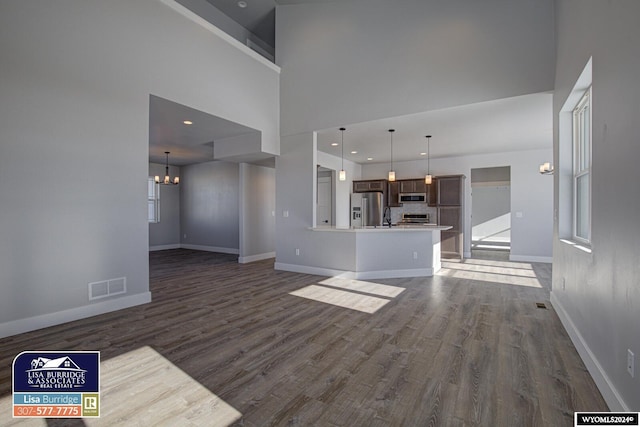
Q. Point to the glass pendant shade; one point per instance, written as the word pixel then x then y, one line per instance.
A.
pixel 392 176
pixel 428 179
pixel 342 176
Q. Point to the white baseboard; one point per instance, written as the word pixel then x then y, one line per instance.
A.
pixel 318 271
pixel 610 394
pixel 233 251
pixel 528 258
pixel 164 247
pixel 20 326
pixel 360 275
pixel 258 257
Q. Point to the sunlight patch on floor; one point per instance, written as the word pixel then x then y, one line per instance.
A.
pixel 351 300
pixel 492 274
pixel 490 269
pixel 363 286
pixel 493 263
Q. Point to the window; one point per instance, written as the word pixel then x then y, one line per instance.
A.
pixel 582 168
pixel 153 200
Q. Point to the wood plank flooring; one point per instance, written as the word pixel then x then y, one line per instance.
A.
pixel 448 350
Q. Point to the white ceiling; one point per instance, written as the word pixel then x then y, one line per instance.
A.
pixel 512 124
pixel 188 144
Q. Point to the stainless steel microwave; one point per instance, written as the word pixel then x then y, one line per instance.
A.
pixel 412 197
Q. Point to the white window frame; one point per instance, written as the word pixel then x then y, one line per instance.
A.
pixel 581 135
pixel 153 200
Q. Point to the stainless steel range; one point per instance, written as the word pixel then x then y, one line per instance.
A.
pixel 414 219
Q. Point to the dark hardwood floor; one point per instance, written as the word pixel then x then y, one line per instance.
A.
pixel 466 347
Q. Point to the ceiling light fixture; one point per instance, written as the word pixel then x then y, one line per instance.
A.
pixel 428 178
pixel 392 173
pixel 342 176
pixel 242 4
pixel 546 169
pixel 187 122
pixel 167 180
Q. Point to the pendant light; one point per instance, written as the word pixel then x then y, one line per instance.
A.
pixel 392 173
pixel 428 178
pixel 342 176
pixel 167 180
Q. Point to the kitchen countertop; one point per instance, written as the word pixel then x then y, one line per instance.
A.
pixel 401 228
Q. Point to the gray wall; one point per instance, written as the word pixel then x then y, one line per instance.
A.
pixel 349 62
pixel 167 231
pixel 209 200
pixel 600 301
pixel 257 209
pixel 74 127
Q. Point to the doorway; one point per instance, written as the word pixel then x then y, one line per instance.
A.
pixel 491 209
pixel 324 195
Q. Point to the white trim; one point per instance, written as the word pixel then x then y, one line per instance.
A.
pixel 605 385
pixel 258 257
pixel 319 271
pixel 233 251
pixel 221 34
pixel 390 274
pixel 531 258
pixel 164 247
pixel 377 274
pixel 28 324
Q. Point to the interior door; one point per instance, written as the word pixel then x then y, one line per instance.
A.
pixel 323 206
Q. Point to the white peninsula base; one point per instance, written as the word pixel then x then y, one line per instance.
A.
pixel 371 253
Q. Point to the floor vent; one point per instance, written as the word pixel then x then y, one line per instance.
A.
pixel 107 288
pixel 541 305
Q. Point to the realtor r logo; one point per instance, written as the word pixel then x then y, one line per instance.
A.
pixel 90 402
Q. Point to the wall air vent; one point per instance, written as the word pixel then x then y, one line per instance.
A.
pixel 107 288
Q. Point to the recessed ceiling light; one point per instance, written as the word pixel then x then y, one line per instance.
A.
pixel 242 4
pixel 334 144
pixel 369 158
pixel 423 154
pixel 354 152
pixel 188 122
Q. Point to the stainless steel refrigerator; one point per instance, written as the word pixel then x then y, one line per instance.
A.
pixel 367 209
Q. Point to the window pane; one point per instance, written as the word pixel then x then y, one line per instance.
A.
pixel 585 142
pixel 582 207
pixel 152 211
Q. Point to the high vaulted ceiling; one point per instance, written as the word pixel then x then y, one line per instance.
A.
pixel 519 123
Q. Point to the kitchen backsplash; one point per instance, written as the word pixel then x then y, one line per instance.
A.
pixel 414 208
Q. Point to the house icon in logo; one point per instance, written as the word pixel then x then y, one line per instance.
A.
pixel 61 363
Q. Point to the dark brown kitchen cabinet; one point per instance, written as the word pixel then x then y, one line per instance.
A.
pixel 450 199
pixel 432 193
pixel 394 192
pixel 369 185
pixel 450 190
pixel 413 186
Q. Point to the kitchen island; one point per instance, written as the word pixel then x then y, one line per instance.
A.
pixel 372 252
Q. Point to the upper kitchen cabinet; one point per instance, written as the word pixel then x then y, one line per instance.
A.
pixel 394 193
pixel 413 186
pixel 370 185
pixel 450 190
